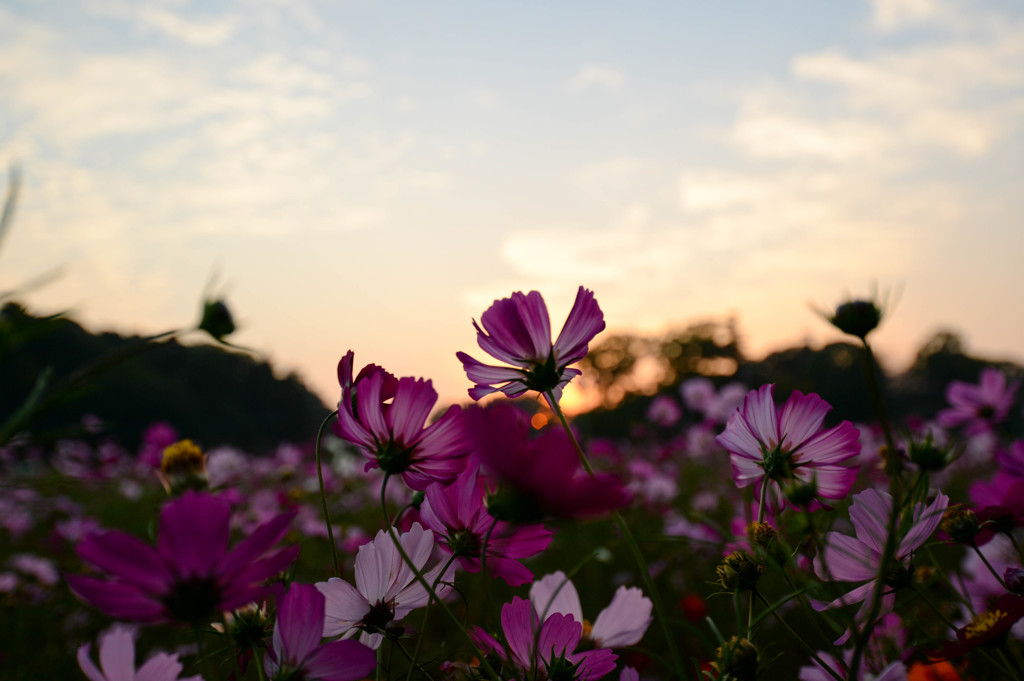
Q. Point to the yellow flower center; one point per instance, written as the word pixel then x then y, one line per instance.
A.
pixel 587 628
pixel 182 456
pixel 983 623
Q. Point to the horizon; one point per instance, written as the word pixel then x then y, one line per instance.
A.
pixel 371 177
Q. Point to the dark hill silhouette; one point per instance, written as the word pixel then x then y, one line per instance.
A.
pixel 211 395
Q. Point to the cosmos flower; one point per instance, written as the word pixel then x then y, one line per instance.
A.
pixel 517 331
pixel 856 559
pixel 460 519
pixel 296 652
pixel 980 406
pixel 540 476
pixel 896 671
pixel 191 575
pixel 386 588
pixel 536 650
pixel 117 661
pixel 989 625
pixel 787 445
pixel 623 623
pixel 386 418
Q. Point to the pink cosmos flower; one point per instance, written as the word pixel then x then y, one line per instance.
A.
pixel 978 406
pixel 296 652
pixel 386 588
pixel 117 661
pixel 787 445
pixel 459 517
pixel 191 575
pixel 896 671
pixel 856 559
pixel 386 418
pixel 517 331
pixel 623 623
pixel 535 650
pixel 539 476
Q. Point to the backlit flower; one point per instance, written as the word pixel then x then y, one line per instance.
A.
pixel 296 652
pixel 788 447
pixel 386 418
pixel 386 587
pixel 543 650
pixel 517 331
pixel 623 623
pixel 191 575
pixel 460 519
pixel 537 476
pixel 979 406
pixel 117 661
pixel 857 558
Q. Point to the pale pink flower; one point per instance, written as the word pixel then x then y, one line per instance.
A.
pixel 117 661
pixel 622 623
pixel 979 406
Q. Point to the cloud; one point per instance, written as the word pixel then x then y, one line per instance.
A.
pixel 199 32
pixel 594 76
pixel 890 15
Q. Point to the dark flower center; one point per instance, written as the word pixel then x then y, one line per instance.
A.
pixel 193 600
pixel 543 377
pixel 776 463
pixel 465 543
pixel 394 458
pixel 378 618
pixel 986 411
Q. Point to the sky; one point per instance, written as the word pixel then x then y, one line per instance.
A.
pixel 371 176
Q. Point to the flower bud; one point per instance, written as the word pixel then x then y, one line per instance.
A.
pixel 928 456
pixel 183 467
pixel 738 572
pixel 736 660
pixel 1014 578
pixel 857 317
pixel 802 494
pixel 217 320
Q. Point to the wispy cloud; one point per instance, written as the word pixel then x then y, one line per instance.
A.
pixel 596 76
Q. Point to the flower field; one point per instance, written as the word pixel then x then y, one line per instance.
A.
pixel 734 533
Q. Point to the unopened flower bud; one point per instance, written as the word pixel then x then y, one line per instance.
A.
pixel 736 660
pixel 1014 578
pixel 738 572
pixel 802 494
pixel 928 456
pixel 856 317
pixel 961 524
pixel 183 467
pixel 417 499
pixel 217 320
pixel 765 541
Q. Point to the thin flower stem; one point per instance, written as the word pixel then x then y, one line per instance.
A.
pixel 645 574
pixel 323 493
pixel 261 674
pixel 1016 545
pixel 431 595
pixel 426 618
pixel 761 505
pixel 810 651
pixel 989 566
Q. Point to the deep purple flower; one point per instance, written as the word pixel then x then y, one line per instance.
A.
pixel 978 406
pixel 386 588
pixel 460 519
pixel 623 623
pixel 517 331
pixel 296 651
pixel 191 575
pixel 117 661
pixel 788 446
pixel 386 418
pixel 857 558
pixel 543 651
pixel 989 625
pixel 539 476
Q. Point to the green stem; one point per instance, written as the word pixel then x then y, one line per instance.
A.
pixel 645 574
pixel 426 618
pixel 989 566
pixel 807 648
pixel 260 672
pixel 323 493
pixel 431 595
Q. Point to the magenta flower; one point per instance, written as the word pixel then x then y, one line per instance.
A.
pixel 978 406
pixel 296 651
pixel 191 576
pixel 386 588
pixel 623 623
pixel 517 331
pixel 856 559
pixel 117 661
pixel 534 650
pixel 460 519
pixel 788 446
pixel 539 476
pixel 386 418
